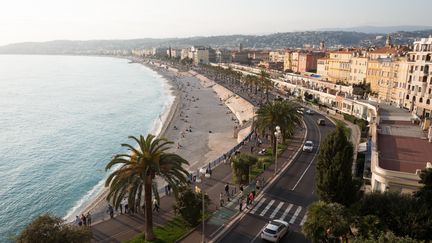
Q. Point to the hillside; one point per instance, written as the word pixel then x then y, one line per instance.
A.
pixel 277 40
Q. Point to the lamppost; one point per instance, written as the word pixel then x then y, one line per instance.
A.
pixel 202 174
pixel 277 134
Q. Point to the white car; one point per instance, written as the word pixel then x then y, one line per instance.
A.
pixel 308 146
pixel 274 230
pixel 309 112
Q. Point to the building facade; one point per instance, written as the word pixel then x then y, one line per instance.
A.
pixel 419 84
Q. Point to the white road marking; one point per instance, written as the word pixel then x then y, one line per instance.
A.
pixel 286 211
pixel 258 205
pixel 316 153
pixel 276 210
pixel 267 208
pixel 295 215
pixel 303 220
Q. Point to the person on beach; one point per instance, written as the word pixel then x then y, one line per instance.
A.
pixel 83 219
pixel 89 221
pixel 77 221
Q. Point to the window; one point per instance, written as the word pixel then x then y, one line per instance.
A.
pixel 419 89
pixel 421 100
pixel 428 102
pixel 407 97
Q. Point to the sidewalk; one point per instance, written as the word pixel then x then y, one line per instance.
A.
pixel 126 226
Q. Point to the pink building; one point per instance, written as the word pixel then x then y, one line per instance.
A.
pixel 307 61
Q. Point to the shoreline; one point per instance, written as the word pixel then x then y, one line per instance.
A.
pixel 211 148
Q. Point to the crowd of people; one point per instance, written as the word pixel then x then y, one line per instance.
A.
pixel 84 220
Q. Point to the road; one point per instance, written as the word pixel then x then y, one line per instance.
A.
pixel 289 196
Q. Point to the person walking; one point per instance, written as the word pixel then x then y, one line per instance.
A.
pixel 121 207
pixel 77 221
pixel 169 189
pixel 241 204
pixel 227 191
pixel 110 211
pixel 83 219
pixel 221 201
pixel 89 221
pixel 156 205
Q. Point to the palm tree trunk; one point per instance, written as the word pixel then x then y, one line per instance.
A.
pixel 149 235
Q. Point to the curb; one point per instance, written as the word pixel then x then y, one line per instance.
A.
pixel 239 216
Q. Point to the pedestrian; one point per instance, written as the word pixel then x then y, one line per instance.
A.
pixel 156 205
pixel 121 207
pixel 247 201
pixel 77 221
pixel 126 207
pixel 83 219
pixel 221 201
pixel 166 190
pixel 252 149
pixel 227 191
pixel 110 211
pixel 241 204
pixel 258 184
pixel 251 197
pixel 169 189
pixel 89 221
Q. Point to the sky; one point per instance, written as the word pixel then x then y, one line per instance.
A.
pixel 44 20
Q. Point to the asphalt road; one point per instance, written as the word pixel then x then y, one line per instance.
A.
pixel 289 196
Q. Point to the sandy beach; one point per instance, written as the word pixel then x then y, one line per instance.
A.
pixel 201 122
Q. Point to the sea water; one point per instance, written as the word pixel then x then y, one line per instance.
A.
pixel 61 120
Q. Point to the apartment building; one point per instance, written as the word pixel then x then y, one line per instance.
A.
pixel 200 55
pixel 358 69
pixel 419 89
pixel 339 66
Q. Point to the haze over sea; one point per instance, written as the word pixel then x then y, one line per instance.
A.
pixel 61 120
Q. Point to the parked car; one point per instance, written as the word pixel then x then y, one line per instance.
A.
pixel 300 110
pixel 321 122
pixel 274 230
pixel 308 146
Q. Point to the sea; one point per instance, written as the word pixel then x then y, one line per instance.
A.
pixel 62 118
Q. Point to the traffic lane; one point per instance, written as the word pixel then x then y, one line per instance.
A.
pixel 293 175
pixel 247 230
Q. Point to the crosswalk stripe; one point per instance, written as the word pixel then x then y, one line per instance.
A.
pixel 258 205
pixel 303 220
pixel 276 210
pixel 286 211
pixel 295 215
pixel 267 208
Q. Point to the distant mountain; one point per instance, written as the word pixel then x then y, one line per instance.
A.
pixel 380 29
pixel 333 39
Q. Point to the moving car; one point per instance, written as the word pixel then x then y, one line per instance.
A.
pixel 274 230
pixel 321 122
pixel 309 112
pixel 308 146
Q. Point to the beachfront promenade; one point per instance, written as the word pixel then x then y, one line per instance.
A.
pixel 124 227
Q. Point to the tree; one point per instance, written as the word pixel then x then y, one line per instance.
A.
pixel 189 205
pixel 49 228
pixel 138 170
pixel 265 82
pixel 424 199
pixel 334 181
pixel 241 164
pixel 398 212
pixel 326 221
pixel 278 113
pixel 384 237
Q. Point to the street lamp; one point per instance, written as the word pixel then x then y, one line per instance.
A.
pixel 202 174
pixel 277 134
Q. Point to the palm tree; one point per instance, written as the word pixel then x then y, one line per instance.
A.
pixel 278 113
pixel 138 170
pixel 266 83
